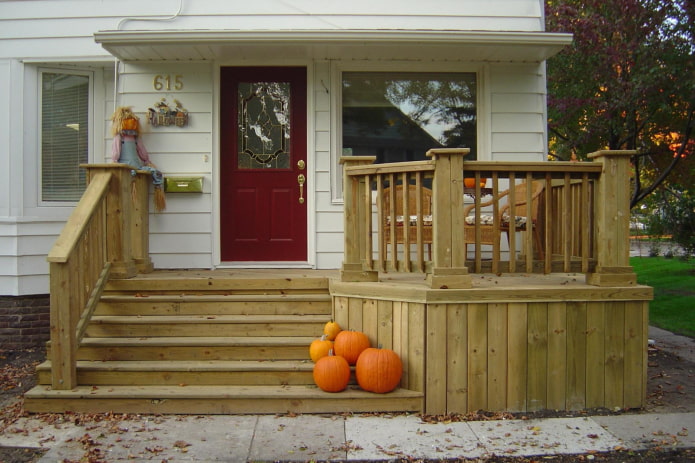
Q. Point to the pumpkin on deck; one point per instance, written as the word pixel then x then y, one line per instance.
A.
pixel 319 348
pixel 331 330
pixel 332 373
pixel 378 370
pixel 350 344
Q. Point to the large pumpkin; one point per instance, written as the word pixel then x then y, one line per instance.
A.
pixel 350 344
pixel 332 373
pixel 378 370
pixel 319 348
pixel 331 330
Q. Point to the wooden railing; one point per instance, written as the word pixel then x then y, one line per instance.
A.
pixel 579 221
pixel 106 235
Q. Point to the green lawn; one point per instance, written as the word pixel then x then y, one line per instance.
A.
pixel 673 280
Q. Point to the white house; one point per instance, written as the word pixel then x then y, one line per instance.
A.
pixel 275 93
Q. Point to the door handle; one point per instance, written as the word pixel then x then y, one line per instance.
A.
pixel 301 179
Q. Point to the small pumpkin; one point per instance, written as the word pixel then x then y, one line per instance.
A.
pixel 331 330
pixel 319 348
pixel 130 124
pixel 331 373
pixel 350 344
pixel 378 370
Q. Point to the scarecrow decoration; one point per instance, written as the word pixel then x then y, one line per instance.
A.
pixel 128 149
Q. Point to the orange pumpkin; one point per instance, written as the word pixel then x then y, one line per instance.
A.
pixel 332 373
pixel 331 330
pixel 470 182
pixel 378 370
pixel 319 348
pixel 350 344
pixel 130 124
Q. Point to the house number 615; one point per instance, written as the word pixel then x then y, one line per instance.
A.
pixel 167 82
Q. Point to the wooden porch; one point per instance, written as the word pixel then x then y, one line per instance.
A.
pixel 510 327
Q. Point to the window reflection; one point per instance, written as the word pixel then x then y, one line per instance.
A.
pixel 399 116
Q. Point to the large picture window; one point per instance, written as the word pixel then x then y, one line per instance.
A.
pixel 65 102
pixel 398 116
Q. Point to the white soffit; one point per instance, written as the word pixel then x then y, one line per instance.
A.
pixel 195 45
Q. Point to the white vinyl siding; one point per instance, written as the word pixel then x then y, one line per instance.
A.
pixel 38 34
pixel 182 235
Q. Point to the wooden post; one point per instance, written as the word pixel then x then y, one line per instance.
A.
pixel 355 216
pixel 613 220
pixel 449 250
pixel 141 224
pixel 63 352
pixel 120 209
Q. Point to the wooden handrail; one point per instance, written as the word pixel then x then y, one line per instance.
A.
pixel 106 230
pixel 76 224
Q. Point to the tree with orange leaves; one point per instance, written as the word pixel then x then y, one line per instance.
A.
pixel 627 82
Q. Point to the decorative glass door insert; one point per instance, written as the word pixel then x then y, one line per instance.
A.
pixel 264 125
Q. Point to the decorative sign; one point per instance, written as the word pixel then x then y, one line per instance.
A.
pixel 163 115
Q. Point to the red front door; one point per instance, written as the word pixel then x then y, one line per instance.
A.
pixel 263 164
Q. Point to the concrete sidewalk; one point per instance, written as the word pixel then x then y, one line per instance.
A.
pixel 240 438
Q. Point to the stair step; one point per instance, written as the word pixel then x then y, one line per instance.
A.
pixel 217 400
pixel 207 325
pixel 196 348
pixel 206 372
pixel 252 304
pixel 164 283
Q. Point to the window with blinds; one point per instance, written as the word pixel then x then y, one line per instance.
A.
pixel 64 134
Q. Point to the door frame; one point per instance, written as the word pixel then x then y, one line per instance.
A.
pixel 310 169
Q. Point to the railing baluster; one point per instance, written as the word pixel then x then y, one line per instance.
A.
pixel 419 231
pixel 584 205
pixel 547 229
pixel 368 249
pixel 566 220
pixel 381 221
pixel 392 215
pixel 405 193
pixel 512 215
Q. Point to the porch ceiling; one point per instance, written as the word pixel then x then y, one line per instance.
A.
pixel 228 45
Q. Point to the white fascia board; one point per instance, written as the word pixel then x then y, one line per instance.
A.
pixel 503 45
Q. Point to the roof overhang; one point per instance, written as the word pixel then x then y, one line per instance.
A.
pixel 196 45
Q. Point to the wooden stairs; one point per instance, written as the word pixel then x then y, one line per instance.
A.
pixel 185 345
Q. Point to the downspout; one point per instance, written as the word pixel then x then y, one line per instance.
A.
pixel 118 28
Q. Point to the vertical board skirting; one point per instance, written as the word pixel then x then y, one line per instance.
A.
pixel 576 355
pixel 416 345
pixel 477 356
pixel 436 359
pixel 385 324
pixel 517 359
pixel 457 358
pixel 595 354
pixel 557 356
pixel 370 325
pixel 511 356
pixel 537 356
pixel 497 356
pixel 634 360
pixel 615 354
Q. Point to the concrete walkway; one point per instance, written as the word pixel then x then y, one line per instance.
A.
pixel 240 438
pixel 266 438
